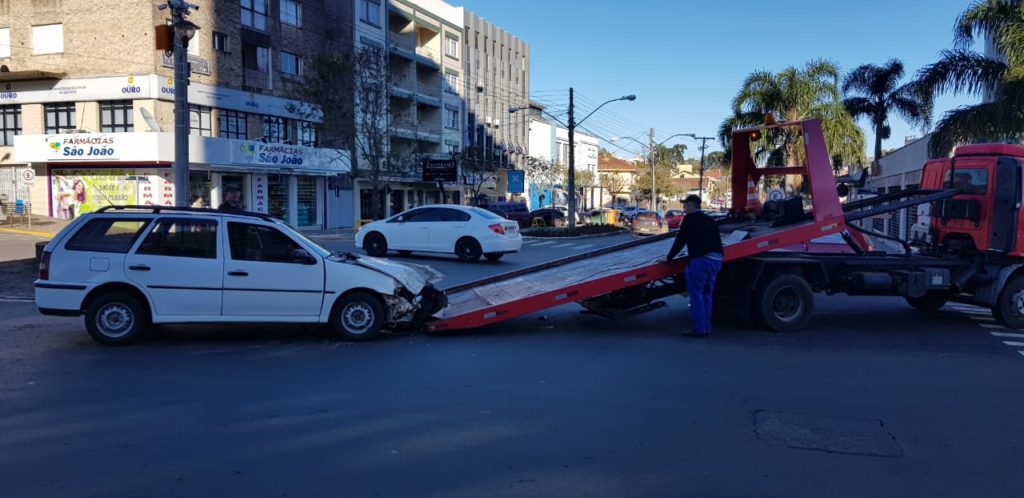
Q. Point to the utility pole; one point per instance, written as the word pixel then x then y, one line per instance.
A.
pixel 654 188
pixel 183 31
pixel 703 147
pixel 572 163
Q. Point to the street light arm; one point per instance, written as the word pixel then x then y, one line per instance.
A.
pixel 627 97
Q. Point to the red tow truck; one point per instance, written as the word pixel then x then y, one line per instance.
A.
pixel 972 250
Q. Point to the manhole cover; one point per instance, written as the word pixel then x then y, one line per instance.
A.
pixel 851 436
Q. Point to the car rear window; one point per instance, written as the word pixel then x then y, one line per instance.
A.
pixel 485 214
pixel 107 235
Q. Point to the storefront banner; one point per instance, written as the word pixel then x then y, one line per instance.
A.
pixel 259 194
pixel 237 100
pixel 81 147
pixel 288 157
pixel 80 90
pixel 74 191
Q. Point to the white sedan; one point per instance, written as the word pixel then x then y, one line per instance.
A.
pixel 467 232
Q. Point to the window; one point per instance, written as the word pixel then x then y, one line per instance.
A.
pixel 181 238
pixel 220 42
pixel 107 235
pixel 291 13
pixel 250 242
pixel 446 214
pixel 370 12
pixel 10 123
pixel 971 181
pixel 451 46
pixel 5 42
pixel 60 117
pixel 291 64
pixel 48 39
pixel 254 14
pixel 305 134
pixel 275 129
pixel 451 83
pixel 451 118
pixel 416 215
pixel 200 120
pixel 453 149
pixel 234 124
pixel 116 116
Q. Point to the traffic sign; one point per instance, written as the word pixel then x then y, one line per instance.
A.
pixel 28 175
pixel 776 194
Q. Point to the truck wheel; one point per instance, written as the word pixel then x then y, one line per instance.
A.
pixel 357 317
pixel 116 319
pixel 929 302
pixel 784 304
pixel 1009 310
pixel 375 244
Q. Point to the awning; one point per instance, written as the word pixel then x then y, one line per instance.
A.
pixel 6 75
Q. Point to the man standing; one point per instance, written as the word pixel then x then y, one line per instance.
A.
pixel 699 233
pixel 232 202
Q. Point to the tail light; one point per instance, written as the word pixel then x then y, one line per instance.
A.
pixel 497 228
pixel 44 266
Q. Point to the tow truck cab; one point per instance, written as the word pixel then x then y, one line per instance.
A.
pixel 985 218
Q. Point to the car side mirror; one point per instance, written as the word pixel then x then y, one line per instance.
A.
pixel 302 257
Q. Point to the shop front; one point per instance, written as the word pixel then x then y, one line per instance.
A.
pixel 88 171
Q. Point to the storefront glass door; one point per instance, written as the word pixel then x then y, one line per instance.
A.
pixel 199 189
pixel 277 198
pixel 306 196
pixel 233 189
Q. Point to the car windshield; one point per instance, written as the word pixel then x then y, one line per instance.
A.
pixel 320 250
pixel 483 213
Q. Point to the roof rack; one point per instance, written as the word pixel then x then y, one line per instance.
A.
pixel 158 209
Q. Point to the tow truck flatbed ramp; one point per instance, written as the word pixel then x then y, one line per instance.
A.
pixel 600 272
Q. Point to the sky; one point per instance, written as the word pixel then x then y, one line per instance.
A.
pixel 686 60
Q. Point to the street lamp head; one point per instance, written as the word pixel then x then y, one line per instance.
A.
pixel 185 29
pixel 514 109
pixel 629 98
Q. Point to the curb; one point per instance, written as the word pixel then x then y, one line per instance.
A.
pixel 34 233
pixel 578 237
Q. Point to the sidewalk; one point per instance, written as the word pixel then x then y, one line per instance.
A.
pixel 42 226
pixel 333 235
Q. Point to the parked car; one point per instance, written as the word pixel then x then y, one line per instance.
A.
pixel 673 217
pixel 648 223
pixel 552 217
pixel 468 232
pixel 125 268
pixel 627 214
pixel 515 211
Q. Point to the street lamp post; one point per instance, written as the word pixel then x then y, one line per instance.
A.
pixel 184 30
pixel 650 157
pixel 703 147
pixel 572 146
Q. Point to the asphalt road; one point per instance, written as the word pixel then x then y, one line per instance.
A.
pixel 874 399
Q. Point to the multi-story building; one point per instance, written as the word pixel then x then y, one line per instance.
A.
pixel 550 142
pixel 88 106
pixel 497 77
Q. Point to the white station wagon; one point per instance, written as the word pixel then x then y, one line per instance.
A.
pixel 126 267
pixel 467 232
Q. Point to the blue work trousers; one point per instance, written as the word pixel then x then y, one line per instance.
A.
pixel 700 284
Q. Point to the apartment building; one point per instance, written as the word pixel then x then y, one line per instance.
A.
pixel 88 107
pixel 549 141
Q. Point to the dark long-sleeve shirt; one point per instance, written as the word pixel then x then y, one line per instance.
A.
pixel 699 234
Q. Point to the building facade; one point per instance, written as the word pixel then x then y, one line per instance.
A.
pixel 91 107
pixel 550 142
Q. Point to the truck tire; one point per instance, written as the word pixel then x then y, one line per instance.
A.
pixel 116 319
pixel 1009 309
pixel 358 316
pixel 929 302
pixel 784 303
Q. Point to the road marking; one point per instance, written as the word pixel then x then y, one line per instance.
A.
pixel 968 308
pixel 16 300
pixel 34 233
pixel 544 243
pixel 1021 352
pixel 976 312
pixel 983 318
pixel 1008 335
pixel 560 246
pixel 585 246
pixel 1014 344
pixel 992 326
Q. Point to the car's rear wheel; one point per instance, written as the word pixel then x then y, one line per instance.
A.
pixel 357 317
pixel 375 244
pixel 116 319
pixel 468 250
pixel 493 256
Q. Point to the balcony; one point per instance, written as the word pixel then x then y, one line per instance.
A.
pixel 429 93
pixel 428 57
pixel 255 80
pixel 403 47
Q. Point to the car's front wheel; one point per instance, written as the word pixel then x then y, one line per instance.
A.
pixel 116 319
pixel 357 317
pixel 375 244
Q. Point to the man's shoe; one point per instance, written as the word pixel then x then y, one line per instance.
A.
pixel 697 333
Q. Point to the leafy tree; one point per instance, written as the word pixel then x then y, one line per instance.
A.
pixel 794 94
pixel 664 182
pixel 477 170
pixel 962 71
pixel 670 156
pixel 542 172
pixel 877 94
pixel 615 184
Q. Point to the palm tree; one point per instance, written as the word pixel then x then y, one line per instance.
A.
pixel 1000 81
pixel 795 94
pixel 879 95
